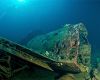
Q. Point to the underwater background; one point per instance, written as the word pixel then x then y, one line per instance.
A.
pixel 20 20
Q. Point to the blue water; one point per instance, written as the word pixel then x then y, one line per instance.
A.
pixel 19 19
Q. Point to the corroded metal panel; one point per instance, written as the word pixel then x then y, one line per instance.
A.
pixel 23 53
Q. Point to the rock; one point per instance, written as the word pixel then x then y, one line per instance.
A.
pixel 68 44
pixel 67 77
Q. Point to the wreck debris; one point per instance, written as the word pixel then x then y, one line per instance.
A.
pixel 66 50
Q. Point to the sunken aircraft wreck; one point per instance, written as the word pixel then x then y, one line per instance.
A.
pixel 63 51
